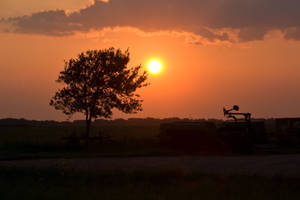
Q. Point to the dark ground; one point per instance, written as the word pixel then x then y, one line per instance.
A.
pixel 279 165
pixel 37 163
pixel 155 178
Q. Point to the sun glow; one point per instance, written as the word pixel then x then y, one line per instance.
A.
pixel 154 66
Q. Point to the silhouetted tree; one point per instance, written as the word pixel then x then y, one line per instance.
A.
pixel 98 81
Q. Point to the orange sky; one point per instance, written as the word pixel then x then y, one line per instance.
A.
pixel 200 75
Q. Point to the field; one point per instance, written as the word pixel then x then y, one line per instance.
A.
pixel 59 184
pixel 38 162
pixel 22 142
pixel 129 138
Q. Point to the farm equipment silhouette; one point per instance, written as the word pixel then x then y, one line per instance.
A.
pixel 229 114
pixel 238 134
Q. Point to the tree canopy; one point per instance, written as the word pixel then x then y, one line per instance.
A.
pixel 98 81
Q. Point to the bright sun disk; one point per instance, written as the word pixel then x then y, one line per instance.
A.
pixel 154 66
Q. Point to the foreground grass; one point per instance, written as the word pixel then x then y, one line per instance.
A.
pixel 28 142
pixel 41 142
pixel 60 184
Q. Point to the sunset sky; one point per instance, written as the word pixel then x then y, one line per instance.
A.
pixel 214 53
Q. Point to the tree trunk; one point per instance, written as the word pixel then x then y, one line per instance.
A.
pixel 87 131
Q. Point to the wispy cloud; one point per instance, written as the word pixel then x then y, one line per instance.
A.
pixel 213 20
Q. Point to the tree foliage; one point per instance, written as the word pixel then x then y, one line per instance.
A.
pixel 96 82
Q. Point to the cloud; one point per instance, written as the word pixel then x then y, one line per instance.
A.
pixel 13 8
pixel 214 20
pixel 188 37
pixel 292 33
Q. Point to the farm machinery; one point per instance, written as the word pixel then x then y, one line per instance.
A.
pixel 237 134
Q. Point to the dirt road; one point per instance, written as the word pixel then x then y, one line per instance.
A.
pixel 286 165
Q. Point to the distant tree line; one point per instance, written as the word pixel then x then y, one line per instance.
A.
pixel 99 122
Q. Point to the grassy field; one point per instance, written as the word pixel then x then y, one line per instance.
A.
pixel 47 142
pixel 59 184
pixel 33 142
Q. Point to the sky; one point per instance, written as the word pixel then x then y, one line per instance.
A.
pixel 214 53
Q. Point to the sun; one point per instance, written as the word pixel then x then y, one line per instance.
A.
pixel 154 66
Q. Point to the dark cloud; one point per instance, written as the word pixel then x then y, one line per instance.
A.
pixel 253 18
pixel 49 22
pixel 293 33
